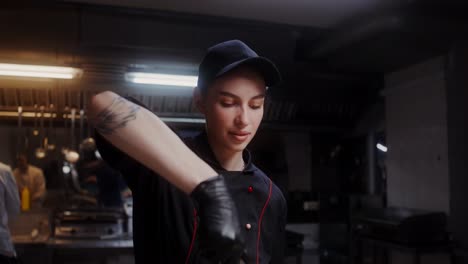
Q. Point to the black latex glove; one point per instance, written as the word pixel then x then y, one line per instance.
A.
pixel 219 233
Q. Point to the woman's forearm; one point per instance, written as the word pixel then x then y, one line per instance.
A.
pixel 143 136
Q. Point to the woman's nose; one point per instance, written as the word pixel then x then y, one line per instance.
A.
pixel 242 118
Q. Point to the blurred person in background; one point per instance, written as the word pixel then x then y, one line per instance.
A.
pixel 98 178
pixel 30 176
pixel 9 206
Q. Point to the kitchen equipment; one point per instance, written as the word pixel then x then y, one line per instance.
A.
pixel 401 225
pixel 128 208
pixel 88 223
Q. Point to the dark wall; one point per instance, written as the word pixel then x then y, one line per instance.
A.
pixel 457 119
pixel 416 136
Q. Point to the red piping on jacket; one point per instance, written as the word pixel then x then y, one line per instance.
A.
pixel 193 235
pixel 260 222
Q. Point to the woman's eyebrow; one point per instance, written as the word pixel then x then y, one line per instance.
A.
pixel 260 96
pixel 223 93
pixel 228 94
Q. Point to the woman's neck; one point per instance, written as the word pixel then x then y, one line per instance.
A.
pixel 229 160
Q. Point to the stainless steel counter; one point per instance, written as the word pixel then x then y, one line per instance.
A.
pixel 32 228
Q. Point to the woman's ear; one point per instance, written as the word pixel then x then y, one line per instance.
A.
pixel 198 100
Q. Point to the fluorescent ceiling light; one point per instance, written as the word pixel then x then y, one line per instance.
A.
pixel 382 147
pixel 38 71
pixel 162 79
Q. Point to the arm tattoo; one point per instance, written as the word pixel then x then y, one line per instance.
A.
pixel 115 116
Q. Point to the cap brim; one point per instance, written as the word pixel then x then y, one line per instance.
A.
pixel 267 68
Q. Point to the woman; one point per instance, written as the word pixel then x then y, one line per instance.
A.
pixel 199 200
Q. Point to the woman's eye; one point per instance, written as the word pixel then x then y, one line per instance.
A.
pixel 227 104
pixel 256 106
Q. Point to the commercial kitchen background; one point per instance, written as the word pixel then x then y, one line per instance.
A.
pixel 356 73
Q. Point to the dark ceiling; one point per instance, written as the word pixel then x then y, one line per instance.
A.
pixel 332 75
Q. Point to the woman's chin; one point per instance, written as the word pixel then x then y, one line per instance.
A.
pixel 236 146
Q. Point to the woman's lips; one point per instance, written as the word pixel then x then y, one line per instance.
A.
pixel 239 136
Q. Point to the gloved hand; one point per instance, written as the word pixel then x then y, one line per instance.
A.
pixel 219 233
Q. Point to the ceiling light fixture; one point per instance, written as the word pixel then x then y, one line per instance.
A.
pixel 38 71
pixel 162 79
pixel 381 147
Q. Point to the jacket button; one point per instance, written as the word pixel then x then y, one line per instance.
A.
pixel 250 189
pixel 248 226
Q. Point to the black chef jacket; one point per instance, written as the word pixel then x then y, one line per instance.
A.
pixel 164 218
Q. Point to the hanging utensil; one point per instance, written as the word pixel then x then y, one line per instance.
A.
pixel 35 130
pixel 87 144
pixel 22 135
pixel 65 119
pixel 41 150
pixel 19 131
pixel 50 131
pixel 81 138
pixel 41 122
pixel 71 155
pixel 72 128
pixel 81 125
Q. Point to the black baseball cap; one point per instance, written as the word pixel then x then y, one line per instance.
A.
pixel 225 56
